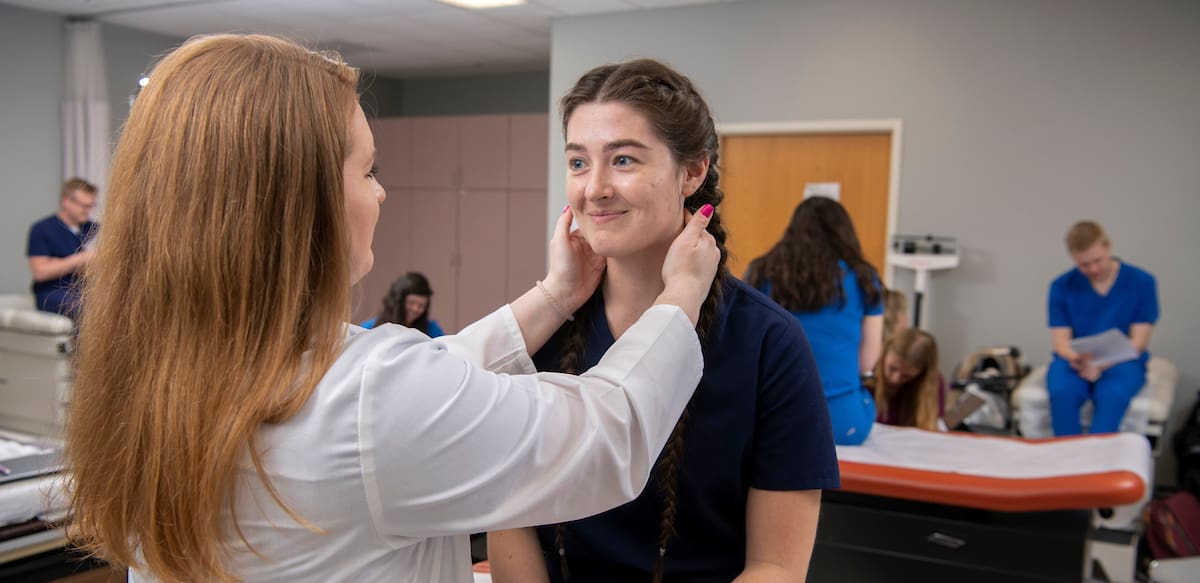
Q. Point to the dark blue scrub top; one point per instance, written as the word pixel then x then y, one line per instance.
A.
pixel 50 237
pixel 758 419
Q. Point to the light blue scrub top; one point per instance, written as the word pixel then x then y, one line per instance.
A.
pixel 835 334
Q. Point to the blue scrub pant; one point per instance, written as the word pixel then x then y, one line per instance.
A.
pixel 1110 395
pixel 852 413
pixel 60 300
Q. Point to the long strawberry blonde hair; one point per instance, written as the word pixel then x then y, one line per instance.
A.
pixel 919 396
pixel 216 298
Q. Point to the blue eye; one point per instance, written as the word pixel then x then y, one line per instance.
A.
pixel 622 161
pixel 575 164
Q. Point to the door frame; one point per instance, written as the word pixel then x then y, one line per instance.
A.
pixel 892 126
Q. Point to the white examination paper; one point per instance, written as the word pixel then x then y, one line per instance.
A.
pixel 1108 347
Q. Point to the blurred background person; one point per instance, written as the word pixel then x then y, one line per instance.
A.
pixel 407 303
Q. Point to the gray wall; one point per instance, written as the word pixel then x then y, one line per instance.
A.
pixel 32 64
pixel 128 54
pixel 1020 117
pixel 483 94
pixel 31 95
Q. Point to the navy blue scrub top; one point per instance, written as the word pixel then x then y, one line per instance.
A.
pixel 50 237
pixel 758 419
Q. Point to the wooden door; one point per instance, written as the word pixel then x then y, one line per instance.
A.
pixel 764 179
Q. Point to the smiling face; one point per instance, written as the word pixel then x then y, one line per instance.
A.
pixel 623 183
pixel 363 195
pixel 414 306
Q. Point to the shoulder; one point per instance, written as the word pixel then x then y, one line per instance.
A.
pixel 1137 274
pixel 748 314
pixel 1066 280
pixel 44 224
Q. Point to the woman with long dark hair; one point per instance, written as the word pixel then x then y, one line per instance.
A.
pixel 818 273
pixel 407 303
pixel 738 488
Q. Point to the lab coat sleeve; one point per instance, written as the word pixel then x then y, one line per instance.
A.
pixel 450 448
pixel 494 343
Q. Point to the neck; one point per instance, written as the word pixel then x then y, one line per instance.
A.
pixel 631 284
pixel 62 216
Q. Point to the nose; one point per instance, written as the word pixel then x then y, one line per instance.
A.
pixel 598 187
pixel 380 194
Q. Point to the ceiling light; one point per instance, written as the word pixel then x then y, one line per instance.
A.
pixel 482 4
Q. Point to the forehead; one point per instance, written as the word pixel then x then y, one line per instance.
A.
pixel 600 123
pixel 1097 251
pixel 362 142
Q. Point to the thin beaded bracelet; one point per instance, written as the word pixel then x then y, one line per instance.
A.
pixel 554 303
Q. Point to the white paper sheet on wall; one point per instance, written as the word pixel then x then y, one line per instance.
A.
pixel 826 189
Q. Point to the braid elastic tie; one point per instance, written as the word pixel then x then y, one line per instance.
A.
pixel 554 303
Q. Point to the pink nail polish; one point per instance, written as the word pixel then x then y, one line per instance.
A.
pixel 706 210
pixel 565 208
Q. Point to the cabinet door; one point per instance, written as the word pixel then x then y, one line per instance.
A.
pixel 528 145
pixel 434 234
pixel 482 233
pixel 483 150
pixel 527 240
pixel 393 150
pixel 434 146
pixel 392 248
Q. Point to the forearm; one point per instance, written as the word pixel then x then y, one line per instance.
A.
pixel 516 557
pixel 761 572
pixel 1062 343
pixel 51 268
pixel 1139 336
pixel 871 346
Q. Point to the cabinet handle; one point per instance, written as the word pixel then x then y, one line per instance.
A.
pixel 951 542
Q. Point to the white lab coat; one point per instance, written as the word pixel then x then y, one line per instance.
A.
pixel 408 444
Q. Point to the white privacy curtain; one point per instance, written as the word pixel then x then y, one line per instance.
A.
pixel 86 133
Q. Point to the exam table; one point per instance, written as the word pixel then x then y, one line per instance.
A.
pixel 948 507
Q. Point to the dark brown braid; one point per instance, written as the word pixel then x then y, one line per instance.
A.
pixel 682 119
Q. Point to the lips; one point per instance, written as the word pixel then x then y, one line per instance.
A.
pixel 601 217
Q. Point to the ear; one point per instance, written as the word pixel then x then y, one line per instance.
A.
pixel 694 173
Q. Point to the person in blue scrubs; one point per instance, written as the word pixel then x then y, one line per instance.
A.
pixel 407 303
pixel 58 248
pixel 737 490
pixel 1099 294
pixel 818 273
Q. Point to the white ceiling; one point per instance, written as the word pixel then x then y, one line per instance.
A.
pixel 400 38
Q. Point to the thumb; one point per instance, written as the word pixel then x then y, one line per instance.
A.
pixel 701 218
pixel 564 223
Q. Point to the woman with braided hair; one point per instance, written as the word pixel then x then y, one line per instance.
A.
pixel 736 491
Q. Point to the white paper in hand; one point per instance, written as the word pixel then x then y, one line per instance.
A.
pixel 1107 348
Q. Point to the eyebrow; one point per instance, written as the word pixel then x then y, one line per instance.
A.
pixel 614 145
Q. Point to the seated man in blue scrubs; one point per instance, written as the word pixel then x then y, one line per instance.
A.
pixel 58 248
pixel 1100 293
